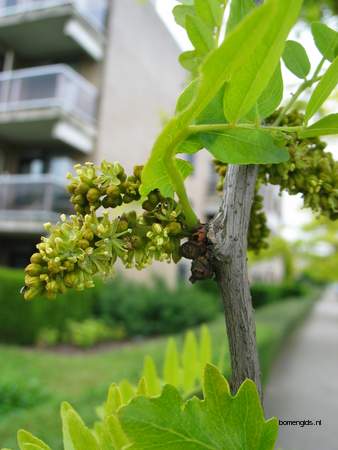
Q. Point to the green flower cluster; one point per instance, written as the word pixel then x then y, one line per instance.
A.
pixel 310 171
pixel 83 245
pixel 107 186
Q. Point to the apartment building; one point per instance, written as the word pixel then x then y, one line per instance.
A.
pixel 81 80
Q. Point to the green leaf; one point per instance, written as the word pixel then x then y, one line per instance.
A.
pixel 323 90
pixel 190 146
pixel 157 176
pixel 116 433
pixel 189 362
pixel 210 11
pixel 246 87
pixel 142 388
pixel 296 59
pixel 219 67
pixel 213 113
pixel 127 391
pixel 219 422
pixel 114 400
pixel 104 436
pixel 271 98
pixel 190 60
pixel 75 434
pixel 238 10
pixel 199 34
pixel 325 39
pixel 187 96
pixel 181 12
pixel 26 439
pixel 205 356
pixel 151 377
pixel 326 126
pixel 244 146
pixel 171 369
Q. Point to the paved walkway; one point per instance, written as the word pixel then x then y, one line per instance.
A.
pixel 304 381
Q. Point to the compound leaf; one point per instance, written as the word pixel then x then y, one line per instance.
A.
pixel 326 126
pixel 296 59
pixel 246 87
pixel 325 39
pixel 219 67
pixel 323 90
pixel 219 422
pixel 244 146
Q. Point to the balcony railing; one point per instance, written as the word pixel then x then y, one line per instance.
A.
pixel 94 11
pixel 56 86
pixel 36 198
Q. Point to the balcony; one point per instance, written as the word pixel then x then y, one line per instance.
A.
pixel 69 28
pixel 48 106
pixel 28 201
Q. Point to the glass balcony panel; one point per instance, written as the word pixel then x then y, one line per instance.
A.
pixel 33 195
pixel 94 11
pixel 48 86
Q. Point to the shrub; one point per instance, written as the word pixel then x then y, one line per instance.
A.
pixel 90 332
pixel 127 307
pixel 145 310
pixel 263 293
pixel 21 322
pixel 17 394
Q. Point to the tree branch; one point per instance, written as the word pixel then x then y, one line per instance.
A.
pixel 228 236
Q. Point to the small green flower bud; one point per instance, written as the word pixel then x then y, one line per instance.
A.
pixel 113 191
pixel 36 258
pixel 174 228
pixel 138 171
pixel 122 226
pixel 33 269
pixel 70 279
pixel 79 200
pixel 83 243
pixel 32 292
pixel 82 188
pixel 88 235
pixel 93 195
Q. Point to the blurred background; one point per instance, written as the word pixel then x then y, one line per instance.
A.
pixel 84 80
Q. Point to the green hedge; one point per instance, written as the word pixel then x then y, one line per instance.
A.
pixel 266 293
pixel 154 310
pixel 134 307
pixel 21 321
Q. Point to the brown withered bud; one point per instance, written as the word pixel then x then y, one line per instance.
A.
pixel 193 249
pixel 201 269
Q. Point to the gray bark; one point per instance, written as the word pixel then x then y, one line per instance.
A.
pixel 228 235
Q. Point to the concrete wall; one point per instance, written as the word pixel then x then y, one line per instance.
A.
pixel 142 79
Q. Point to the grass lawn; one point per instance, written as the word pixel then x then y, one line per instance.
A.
pixel 82 379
